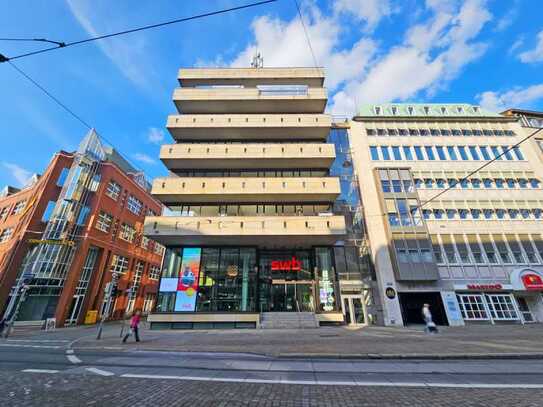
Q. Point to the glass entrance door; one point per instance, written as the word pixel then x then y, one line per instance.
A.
pixel 354 310
pixel 292 297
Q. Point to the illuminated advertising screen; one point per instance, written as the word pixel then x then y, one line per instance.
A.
pixel 187 283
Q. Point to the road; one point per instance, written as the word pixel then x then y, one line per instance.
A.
pixel 52 371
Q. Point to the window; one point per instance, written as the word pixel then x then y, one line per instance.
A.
pixel 437 249
pixel 510 183
pixel 413 132
pixel 475 213
pixel 18 208
pixel 403 132
pixel 385 153
pixel 430 153
pixel 476 183
pixel 502 249
pixel 487 132
pixel 448 248
pixel 475 249
pixel 426 110
pixel 418 153
pixel 145 242
pixel 513 213
pixel 396 153
pixel 62 176
pixel 418 183
pixel 452 153
pixel 438 213
pixel 488 213
pixel 534 183
pixel 428 182
pixel 6 235
pixel 407 153
pixel 83 214
pixel 518 153
pixel 451 213
pixel 514 246
pixel 426 213
pixel 103 222
pixel 394 110
pixel 134 205
pixel 424 132
pixel 396 185
pixel 392 132
pixel 445 132
pixel 464 183
pixel 159 249
pixel 462 249
pixel 525 213
pixel 507 153
pixel 477 133
pixel 460 109
pixel 443 110
pixel 538 213
pixel 474 153
pixel 128 233
pixel 463 213
pixel 154 272
pixel 441 153
pixel 374 153
pixel 377 110
pixel 496 152
pixel 4 213
pixel 456 132
pixel 500 213
pixel 381 132
pixel 489 249
pixel 434 132
pixel 48 211
pixel 485 153
pixel 463 153
pixel 113 190
pixel 466 132
pixel 522 182
pixel 440 183
pixel 487 182
pixel 501 307
pixel 528 249
pixel 370 132
pixel 119 264
pixel 499 182
pixel 410 110
pixel 476 109
pixel 472 307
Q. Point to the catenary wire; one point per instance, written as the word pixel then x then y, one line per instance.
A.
pixel 308 39
pixel 133 30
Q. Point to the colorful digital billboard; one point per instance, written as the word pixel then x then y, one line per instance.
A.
pixel 187 283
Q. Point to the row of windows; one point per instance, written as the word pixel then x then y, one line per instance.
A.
pixel 15 210
pixel 444 153
pixel 105 223
pixel 488 249
pixel 250 210
pixel 476 183
pixel 482 214
pixel 119 265
pixel 439 132
pixel 428 110
pixel 133 204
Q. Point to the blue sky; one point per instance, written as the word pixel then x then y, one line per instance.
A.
pixel 474 51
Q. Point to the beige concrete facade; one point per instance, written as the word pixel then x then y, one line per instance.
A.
pixel 485 231
pixel 251 154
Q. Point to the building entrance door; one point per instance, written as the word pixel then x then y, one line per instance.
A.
pixel 288 296
pixel 354 310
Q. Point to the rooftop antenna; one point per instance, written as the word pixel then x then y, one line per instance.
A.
pixel 258 61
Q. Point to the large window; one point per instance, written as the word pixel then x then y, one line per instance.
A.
pixel 473 307
pixel 48 211
pixel 127 233
pixel 113 190
pixel 134 205
pixel 18 208
pixel 103 222
pixel 119 264
pixel 5 235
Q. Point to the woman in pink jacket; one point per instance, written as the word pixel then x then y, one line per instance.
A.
pixel 134 324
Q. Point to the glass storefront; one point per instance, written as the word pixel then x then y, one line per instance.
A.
pixel 244 279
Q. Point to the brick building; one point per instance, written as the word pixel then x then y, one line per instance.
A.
pixel 70 229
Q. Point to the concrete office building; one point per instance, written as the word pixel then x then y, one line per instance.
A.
pixel 475 252
pixel 69 229
pixel 254 211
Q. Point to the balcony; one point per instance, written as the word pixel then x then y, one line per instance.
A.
pixel 251 77
pixel 249 127
pixel 236 156
pixel 249 100
pixel 269 231
pixel 179 190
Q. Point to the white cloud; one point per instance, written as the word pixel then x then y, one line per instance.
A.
pixel 128 56
pixel 433 53
pixel 508 18
pixel 515 98
pixel 155 135
pixel 370 11
pixel 144 158
pixel 535 55
pixel 20 174
pixel 519 42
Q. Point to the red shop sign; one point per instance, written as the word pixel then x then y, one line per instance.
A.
pixel 532 281
pixel 485 286
pixel 286 265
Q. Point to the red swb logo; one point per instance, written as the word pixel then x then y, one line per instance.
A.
pixel 286 265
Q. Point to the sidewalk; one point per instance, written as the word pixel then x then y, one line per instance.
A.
pixel 502 341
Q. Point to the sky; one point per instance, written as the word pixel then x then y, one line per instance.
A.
pixel 484 52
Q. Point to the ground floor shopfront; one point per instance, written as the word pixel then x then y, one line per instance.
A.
pixel 224 286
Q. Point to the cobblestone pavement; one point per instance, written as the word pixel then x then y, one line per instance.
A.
pixel 33 389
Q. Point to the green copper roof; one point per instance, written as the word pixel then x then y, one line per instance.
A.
pixel 424 110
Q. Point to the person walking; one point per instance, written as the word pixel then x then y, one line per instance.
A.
pixel 427 316
pixel 134 326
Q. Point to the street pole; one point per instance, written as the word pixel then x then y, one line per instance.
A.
pixel 109 291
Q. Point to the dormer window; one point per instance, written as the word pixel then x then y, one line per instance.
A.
pixel 443 110
pixel 426 110
pixel 394 110
pixel 410 110
pixel 377 110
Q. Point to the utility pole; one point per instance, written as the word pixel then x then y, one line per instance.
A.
pixel 110 292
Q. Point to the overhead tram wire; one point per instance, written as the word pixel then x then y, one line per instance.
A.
pixel 71 112
pixel 308 39
pixel 481 167
pixel 4 58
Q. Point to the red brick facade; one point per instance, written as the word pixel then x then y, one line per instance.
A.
pixel 107 244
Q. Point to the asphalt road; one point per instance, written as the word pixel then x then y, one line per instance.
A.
pixel 53 372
